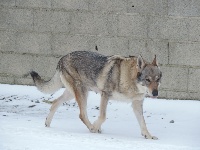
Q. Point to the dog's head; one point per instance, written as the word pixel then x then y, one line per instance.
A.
pixel 149 75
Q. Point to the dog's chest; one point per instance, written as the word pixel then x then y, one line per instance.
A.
pixel 141 89
pixel 130 94
pixel 119 96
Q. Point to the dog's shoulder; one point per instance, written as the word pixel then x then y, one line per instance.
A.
pixel 122 58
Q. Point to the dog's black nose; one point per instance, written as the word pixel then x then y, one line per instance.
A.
pixel 155 92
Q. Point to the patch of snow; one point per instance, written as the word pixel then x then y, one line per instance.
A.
pixel 23 112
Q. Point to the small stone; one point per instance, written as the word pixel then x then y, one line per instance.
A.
pixel 172 121
pixel 2 98
pixel 97 108
pixel 31 106
pixel 37 101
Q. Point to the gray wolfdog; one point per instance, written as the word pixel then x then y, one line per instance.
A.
pixel 114 77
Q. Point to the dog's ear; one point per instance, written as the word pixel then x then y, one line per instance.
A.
pixel 155 62
pixel 140 63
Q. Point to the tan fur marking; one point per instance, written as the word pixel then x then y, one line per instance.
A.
pixel 102 77
pixel 153 86
pixel 128 75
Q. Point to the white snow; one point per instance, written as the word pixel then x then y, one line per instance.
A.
pixel 22 123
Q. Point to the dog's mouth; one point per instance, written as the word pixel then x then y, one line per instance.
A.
pixel 154 97
pixel 153 94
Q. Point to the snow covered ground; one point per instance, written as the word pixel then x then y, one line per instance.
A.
pixel 23 112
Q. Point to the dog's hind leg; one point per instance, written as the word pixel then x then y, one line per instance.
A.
pixel 138 110
pixel 66 96
pixel 102 117
pixel 81 98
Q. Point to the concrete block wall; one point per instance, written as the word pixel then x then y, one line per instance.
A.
pixel 34 34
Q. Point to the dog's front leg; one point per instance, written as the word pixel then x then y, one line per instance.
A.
pixel 138 110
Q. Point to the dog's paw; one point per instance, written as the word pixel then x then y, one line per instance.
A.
pixel 95 130
pixel 47 123
pixel 147 136
pixel 154 138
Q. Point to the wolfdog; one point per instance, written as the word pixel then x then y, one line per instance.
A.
pixel 114 77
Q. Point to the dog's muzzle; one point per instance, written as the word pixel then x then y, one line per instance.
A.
pixel 155 93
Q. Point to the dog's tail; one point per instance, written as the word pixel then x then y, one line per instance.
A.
pixel 47 87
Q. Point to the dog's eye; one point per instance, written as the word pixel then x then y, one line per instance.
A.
pixel 148 80
pixel 157 80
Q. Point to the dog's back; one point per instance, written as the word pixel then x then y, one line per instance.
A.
pixel 85 63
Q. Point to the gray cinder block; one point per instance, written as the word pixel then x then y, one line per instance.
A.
pixel 7 2
pixel 149 48
pixel 168 28
pixel 94 23
pixel 53 21
pixel 63 43
pixel 35 43
pixel 132 25
pixel 34 3
pixel 174 78
pixel 15 64
pixel 7 41
pixel 194 82
pixel 184 53
pixel 184 7
pixel 108 5
pixel 17 19
pixel 194 29
pixel 46 66
pixel 155 7
pixel 70 4
pixel 113 46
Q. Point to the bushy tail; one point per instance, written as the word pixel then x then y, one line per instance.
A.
pixel 47 87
